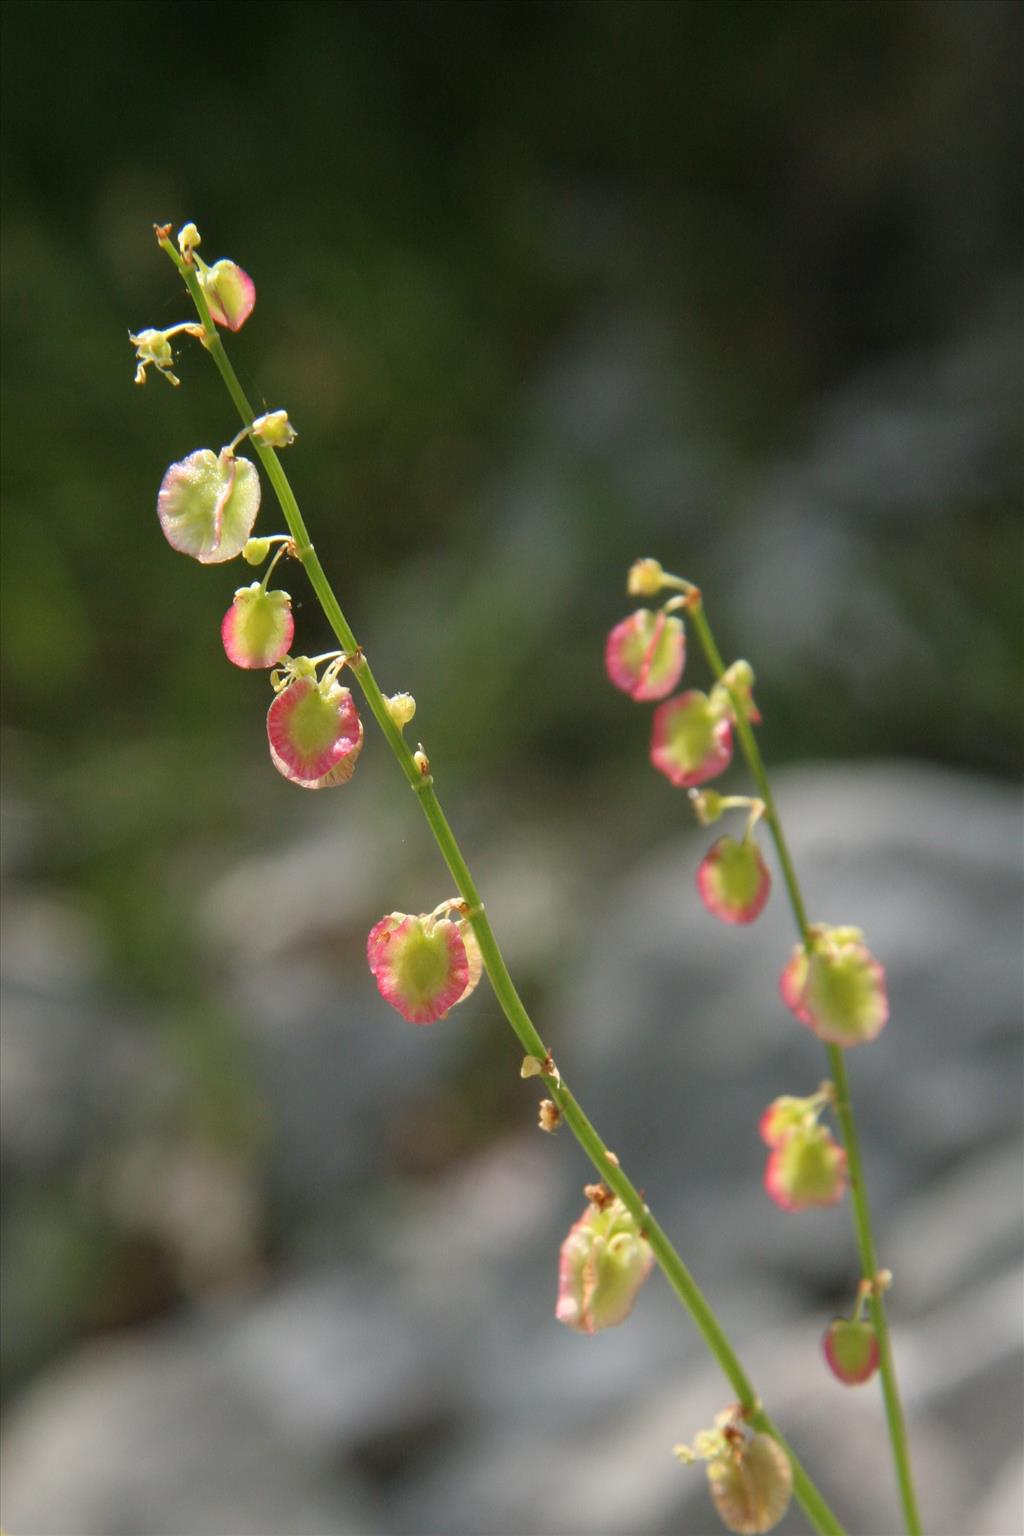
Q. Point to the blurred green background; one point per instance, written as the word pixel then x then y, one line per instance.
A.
pixel 543 286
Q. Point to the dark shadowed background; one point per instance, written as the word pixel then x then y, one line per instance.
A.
pixel 543 286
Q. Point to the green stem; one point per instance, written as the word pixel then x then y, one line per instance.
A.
pixel 608 1168
pixel 843 1103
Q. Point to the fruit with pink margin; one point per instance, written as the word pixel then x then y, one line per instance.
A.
pixel 839 989
pixel 423 965
pixel 207 505
pixel 733 880
pixel 258 628
pixel 229 291
pixel 602 1265
pixel 851 1349
pixel 315 734
pixel 806 1168
pixel 691 740
pixel 644 654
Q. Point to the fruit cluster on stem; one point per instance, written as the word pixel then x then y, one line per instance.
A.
pixel 426 964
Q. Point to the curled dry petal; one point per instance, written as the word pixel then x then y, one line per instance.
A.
pixel 258 628
pixel 691 741
pixel 602 1265
pixel 207 505
pixel 751 1486
pixel 423 965
pixel 733 880
pixel 644 655
pixel 315 735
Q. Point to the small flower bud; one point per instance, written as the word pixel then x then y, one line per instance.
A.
pixel 644 655
pixel 691 741
pixel 733 880
pixel 602 1265
pixel 422 761
pixel 707 804
pixel 808 1167
pixel 532 1067
pixel 256 551
pixel 739 675
pixel 207 505
pixel 229 292
pixel 273 430
pixel 838 990
pixel 189 240
pixel 549 1116
pixel 315 734
pixel 645 578
pixel 751 1485
pixel 423 965
pixel 739 679
pixel 851 1350
pixel 401 708
pixel 258 628
pixel 841 935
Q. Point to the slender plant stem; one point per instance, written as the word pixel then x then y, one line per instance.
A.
pixel 676 1272
pixel 843 1102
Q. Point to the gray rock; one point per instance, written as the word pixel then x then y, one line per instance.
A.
pixel 429 1390
pixel 154 1437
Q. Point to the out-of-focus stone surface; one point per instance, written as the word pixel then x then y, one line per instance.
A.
pixel 421 1385
pixel 158 1436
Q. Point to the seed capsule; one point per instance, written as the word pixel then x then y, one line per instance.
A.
pixel 423 965
pixel 808 1167
pixel 315 735
pixel 783 1116
pixel 207 505
pixel 751 1486
pixel 851 1349
pixel 691 740
pixel 230 293
pixel 645 654
pixel 733 880
pixel 839 989
pixel 258 628
pixel 602 1265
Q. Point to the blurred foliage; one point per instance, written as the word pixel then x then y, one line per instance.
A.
pixel 543 286
pixel 441 202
